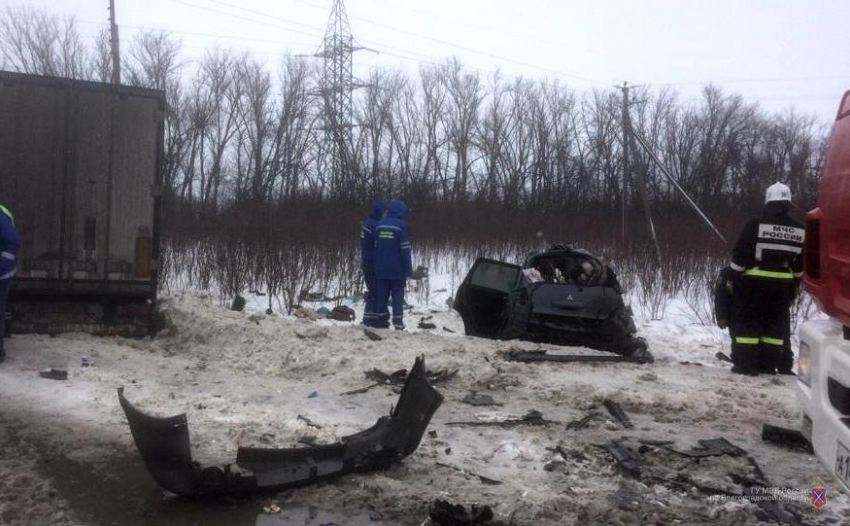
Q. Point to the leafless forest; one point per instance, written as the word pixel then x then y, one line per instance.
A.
pixel 490 164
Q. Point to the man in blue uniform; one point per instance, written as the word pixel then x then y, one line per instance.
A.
pixel 9 245
pixel 367 261
pixel 393 264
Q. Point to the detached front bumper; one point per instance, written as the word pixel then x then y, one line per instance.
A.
pixel 164 446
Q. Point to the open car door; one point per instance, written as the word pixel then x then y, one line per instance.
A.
pixel 483 294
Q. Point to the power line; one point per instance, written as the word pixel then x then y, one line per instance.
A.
pixel 411 33
pixel 197 34
pixel 746 81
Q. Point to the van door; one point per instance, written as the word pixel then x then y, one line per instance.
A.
pixel 481 297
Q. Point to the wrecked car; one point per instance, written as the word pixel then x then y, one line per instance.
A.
pixel 563 295
pixel 164 446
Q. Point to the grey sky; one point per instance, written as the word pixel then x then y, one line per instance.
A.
pixel 781 53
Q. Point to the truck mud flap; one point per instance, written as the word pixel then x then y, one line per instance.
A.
pixel 164 446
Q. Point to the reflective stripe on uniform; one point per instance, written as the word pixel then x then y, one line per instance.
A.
pixel 390 227
pixel 772 341
pixel 8 275
pixel 760 247
pixel 744 340
pixel 386 235
pixel 7 255
pixel 798 274
pixel 8 214
pixel 759 273
pixel 736 267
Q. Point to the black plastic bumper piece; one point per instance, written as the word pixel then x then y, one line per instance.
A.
pixel 164 446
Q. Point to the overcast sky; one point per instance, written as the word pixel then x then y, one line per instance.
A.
pixel 781 53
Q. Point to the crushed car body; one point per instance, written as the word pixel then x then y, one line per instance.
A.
pixel 164 446
pixel 563 295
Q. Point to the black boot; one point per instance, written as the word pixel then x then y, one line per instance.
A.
pixel 737 369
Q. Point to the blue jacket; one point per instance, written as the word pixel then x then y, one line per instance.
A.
pixel 392 244
pixel 9 244
pixel 367 239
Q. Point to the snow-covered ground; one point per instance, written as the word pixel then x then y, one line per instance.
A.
pixel 67 457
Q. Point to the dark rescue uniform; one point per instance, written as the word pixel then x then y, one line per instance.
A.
pixel 769 261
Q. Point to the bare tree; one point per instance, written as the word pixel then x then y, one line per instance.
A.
pixel 33 41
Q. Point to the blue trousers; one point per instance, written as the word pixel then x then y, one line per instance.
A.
pixel 385 288
pixel 5 286
pixel 370 314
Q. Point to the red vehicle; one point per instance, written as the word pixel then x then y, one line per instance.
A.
pixel 824 361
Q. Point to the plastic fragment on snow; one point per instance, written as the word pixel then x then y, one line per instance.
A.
pixel 714 447
pixel 723 357
pixel 624 459
pixel 444 513
pixel 787 438
pixel 583 422
pixel 479 400
pixel 618 413
pixel 54 374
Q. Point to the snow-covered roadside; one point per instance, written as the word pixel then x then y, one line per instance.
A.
pixel 243 378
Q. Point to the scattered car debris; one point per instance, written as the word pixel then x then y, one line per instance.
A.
pixel 624 459
pixel 427 326
pixel 543 356
pixel 324 312
pixel 554 465
pixel 618 413
pixel 788 438
pixel 311 332
pixel 656 443
pixel 484 480
pixel 314 394
pixel 372 335
pixel 714 447
pixel 443 513
pixel 308 422
pixel 569 454
pixel 532 418
pixel 419 273
pixel 54 374
pixel 359 391
pixel 85 361
pixel 583 422
pixel 397 377
pixel 448 330
pixel 476 399
pixel 342 313
pixel 306 313
pixel 271 508
pixel 723 357
pixel 164 446
pixel 238 303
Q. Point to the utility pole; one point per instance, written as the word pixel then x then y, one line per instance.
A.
pixel 627 129
pixel 640 176
pixel 113 33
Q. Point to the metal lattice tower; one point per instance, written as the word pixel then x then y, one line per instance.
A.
pixel 337 87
